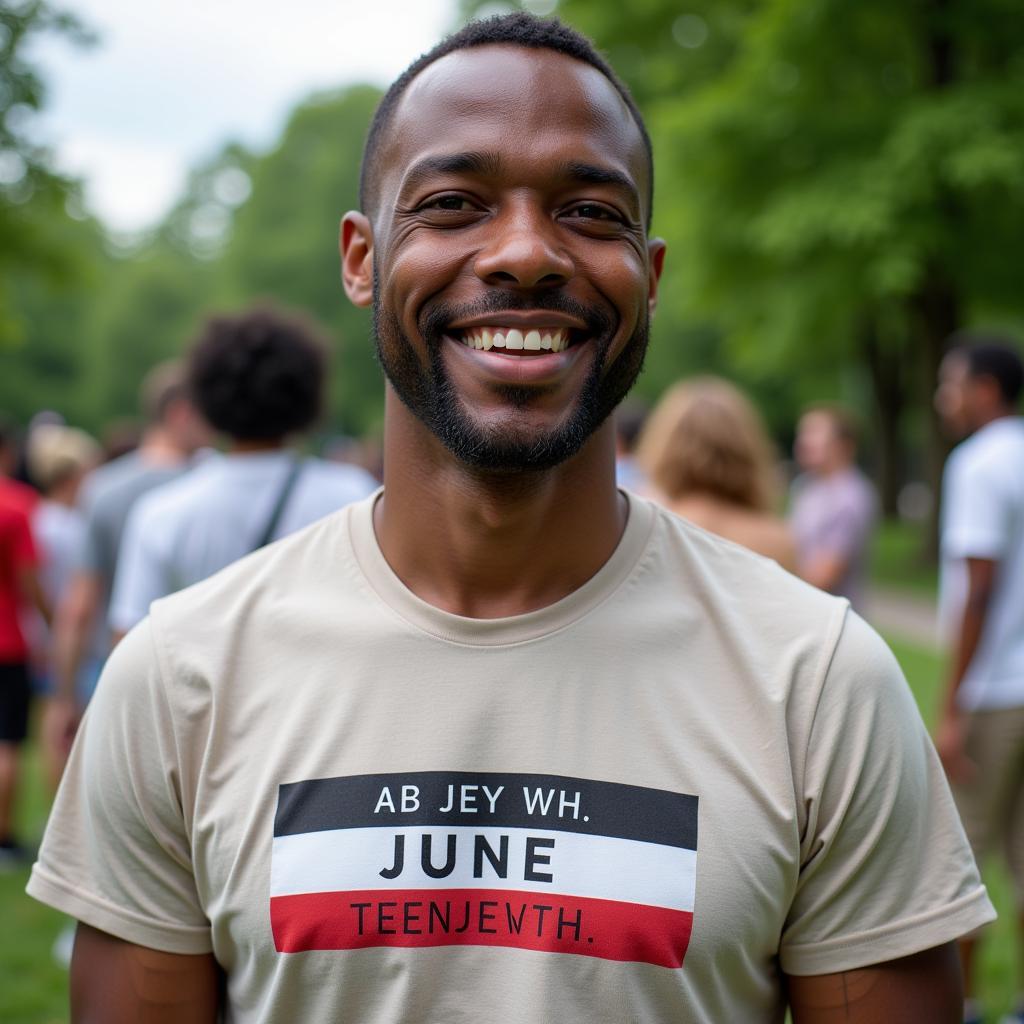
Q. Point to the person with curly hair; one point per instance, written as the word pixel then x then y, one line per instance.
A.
pixel 257 377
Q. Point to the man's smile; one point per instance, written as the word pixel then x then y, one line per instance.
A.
pixel 538 356
pixel 512 339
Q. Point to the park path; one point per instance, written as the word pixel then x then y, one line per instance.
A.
pixel 907 616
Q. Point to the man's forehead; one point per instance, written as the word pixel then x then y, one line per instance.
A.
pixel 492 90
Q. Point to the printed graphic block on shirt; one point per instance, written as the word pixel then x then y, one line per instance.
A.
pixel 538 862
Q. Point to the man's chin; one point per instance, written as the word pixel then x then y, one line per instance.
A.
pixel 512 446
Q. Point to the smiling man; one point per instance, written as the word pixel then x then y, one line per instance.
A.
pixel 503 743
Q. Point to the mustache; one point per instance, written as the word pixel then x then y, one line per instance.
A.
pixel 435 317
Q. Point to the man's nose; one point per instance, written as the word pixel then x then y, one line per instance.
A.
pixel 524 251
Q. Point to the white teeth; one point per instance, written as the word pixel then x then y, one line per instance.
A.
pixel 484 339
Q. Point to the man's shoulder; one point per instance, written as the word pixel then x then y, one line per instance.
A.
pixel 123 482
pixel 110 475
pixel 723 570
pixel 168 498
pixel 996 447
pixel 857 480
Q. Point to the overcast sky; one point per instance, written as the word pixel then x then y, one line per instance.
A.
pixel 170 82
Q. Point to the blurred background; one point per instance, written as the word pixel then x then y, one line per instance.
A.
pixel 841 186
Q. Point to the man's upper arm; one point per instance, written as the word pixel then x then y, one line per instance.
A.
pixel 885 869
pixel 116 853
pixel 118 982
pixel 926 986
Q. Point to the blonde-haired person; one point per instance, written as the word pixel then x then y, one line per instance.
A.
pixel 59 458
pixel 707 453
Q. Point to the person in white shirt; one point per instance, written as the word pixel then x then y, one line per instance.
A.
pixel 258 379
pixel 981 731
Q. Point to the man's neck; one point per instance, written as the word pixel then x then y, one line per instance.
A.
pixel 238 446
pixel 1002 413
pixel 834 469
pixel 493 545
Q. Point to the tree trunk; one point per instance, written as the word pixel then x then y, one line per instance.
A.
pixel 936 305
pixel 937 308
pixel 885 363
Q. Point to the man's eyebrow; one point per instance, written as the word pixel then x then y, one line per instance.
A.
pixel 451 163
pixel 591 174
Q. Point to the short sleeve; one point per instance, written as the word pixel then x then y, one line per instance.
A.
pixel 977 521
pixel 885 868
pixel 140 577
pixel 116 853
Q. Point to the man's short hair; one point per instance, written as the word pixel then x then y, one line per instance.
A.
pixel 258 375
pixel 162 386
pixel 517 29
pixel 992 355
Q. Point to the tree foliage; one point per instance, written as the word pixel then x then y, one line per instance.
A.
pixel 33 233
pixel 284 243
pixel 841 186
pixel 247 226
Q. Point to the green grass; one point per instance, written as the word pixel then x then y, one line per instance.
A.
pixel 33 989
pixel 897 560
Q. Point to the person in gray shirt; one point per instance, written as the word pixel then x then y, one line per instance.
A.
pixel 175 431
pixel 833 505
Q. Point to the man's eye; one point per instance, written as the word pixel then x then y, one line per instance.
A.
pixel 456 203
pixel 594 211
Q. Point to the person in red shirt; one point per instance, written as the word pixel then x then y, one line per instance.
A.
pixel 19 584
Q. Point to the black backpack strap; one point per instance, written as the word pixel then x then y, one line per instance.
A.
pixel 268 531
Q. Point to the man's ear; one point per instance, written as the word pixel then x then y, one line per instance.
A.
pixel 356 243
pixel 656 256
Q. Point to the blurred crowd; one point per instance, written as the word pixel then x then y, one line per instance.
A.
pixel 92 532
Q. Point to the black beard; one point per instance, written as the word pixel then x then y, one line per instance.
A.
pixel 428 392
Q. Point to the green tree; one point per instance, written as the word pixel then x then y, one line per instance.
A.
pixel 247 226
pixel 47 360
pixel 32 195
pixel 841 185
pixel 284 242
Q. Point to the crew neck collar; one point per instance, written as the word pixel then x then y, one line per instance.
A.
pixel 515 629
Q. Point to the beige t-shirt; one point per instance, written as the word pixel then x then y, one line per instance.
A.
pixel 643 803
